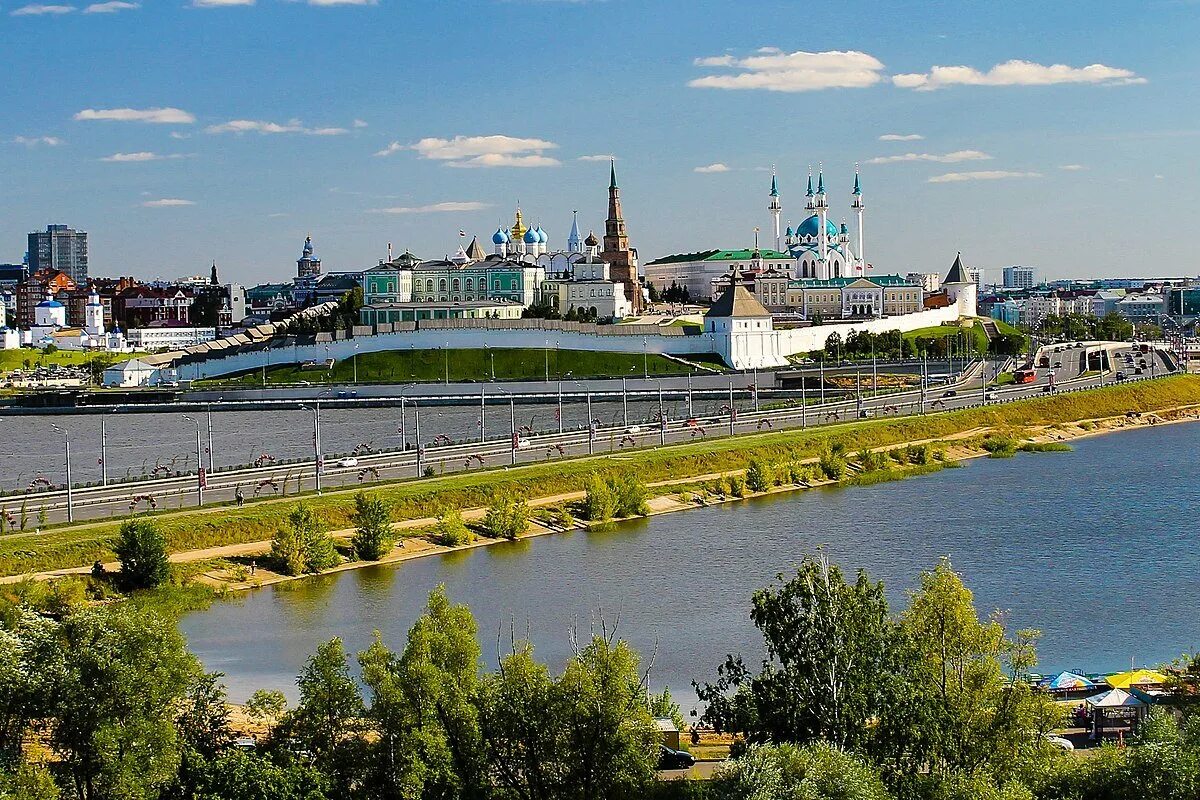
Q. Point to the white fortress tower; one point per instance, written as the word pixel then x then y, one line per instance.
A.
pixel 93 315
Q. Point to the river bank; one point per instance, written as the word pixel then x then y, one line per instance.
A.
pixel 205 533
pixel 666 497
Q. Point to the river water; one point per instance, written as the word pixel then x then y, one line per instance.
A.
pixel 1097 548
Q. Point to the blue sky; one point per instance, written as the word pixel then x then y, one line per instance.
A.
pixel 362 123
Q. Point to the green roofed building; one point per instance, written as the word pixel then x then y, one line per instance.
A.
pixel 697 270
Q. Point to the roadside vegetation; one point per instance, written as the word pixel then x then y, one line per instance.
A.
pixel 78 545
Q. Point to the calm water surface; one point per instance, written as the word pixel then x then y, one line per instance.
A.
pixel 1097 548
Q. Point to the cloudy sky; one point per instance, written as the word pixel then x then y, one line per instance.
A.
pixel 1060 135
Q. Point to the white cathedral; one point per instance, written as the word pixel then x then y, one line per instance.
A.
pixel 821 248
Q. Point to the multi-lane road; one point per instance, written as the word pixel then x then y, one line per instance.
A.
pixel 525 446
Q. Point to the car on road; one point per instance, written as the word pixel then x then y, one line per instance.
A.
pixel 1120 376
pixel 864 413
pixel 634 429
pixel 949 393
pixel 1137 371
pixel 674 759
pixel 1047 388
pixel 989 396
pixel 1058 365
pixel 348 462
pixel 522 444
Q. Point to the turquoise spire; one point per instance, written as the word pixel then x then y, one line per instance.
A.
pixel 810 191
pixel 857 185
pixel 821 182
pixel 612 180
pixel 774 186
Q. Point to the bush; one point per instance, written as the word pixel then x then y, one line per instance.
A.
pixel 737 486
pixel 373 537
pixel 832 466
pixel 450 530
pixel 142 551
pixel 301 546
pixel 797 473
pixel 999 447
pixel 630 492
pixel 600 504
pixel 919 454
pixel 758 476
pixel 508 517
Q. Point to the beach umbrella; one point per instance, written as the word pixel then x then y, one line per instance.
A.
pixel 1135 677
pixel 1114 698
pixel 1066 681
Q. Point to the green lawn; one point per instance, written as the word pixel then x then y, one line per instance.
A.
pixel 403 366
pixel 15 359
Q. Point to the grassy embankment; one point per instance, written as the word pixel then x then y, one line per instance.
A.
pixel 15 359
pixel 414 499
pixel 404 366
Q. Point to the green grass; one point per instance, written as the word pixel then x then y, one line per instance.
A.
pixel 975 333
pixel 81 544
pixel 404 366
pixel 15 359
pixel 1003 379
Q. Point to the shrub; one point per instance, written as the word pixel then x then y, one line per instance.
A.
pixel 600 504
pixel 737 486
pixel 142 551
pixel 450 530
pixel 919 454
pixel 373 535
pixel 999 447
pixel 508 517
pixel 797 473
pixel 630 492
pixel 301 546
pixel 757 476
pixel 832 466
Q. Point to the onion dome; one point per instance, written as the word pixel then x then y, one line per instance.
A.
pixel 500 236
pixel 541 234
pixel 531 236
pixel 592 241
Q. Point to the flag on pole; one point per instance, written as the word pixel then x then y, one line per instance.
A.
pixel 461 232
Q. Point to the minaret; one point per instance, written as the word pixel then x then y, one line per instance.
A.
pixel 775 206
pixel 821 202
pixel 574 240
pixel 858 207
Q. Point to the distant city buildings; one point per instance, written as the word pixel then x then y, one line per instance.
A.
pixel 1016 277
pixel 60 248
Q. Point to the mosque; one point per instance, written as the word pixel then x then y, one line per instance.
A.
pixel 820 247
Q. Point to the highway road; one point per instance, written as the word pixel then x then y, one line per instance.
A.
pixel 525 446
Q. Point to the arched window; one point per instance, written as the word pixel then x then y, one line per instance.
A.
pixel 429 285
pixel 455 284
pixel 470 284
pixel 442 285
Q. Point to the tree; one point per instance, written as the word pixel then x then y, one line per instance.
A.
pixel 423 708
pixel 328 719
pixel 267 705
pixel 142 550
pixel 757 477
pixel 833 345
pixel 981 713
pixel 830 665
pixel 301 546
pixel 373 537
pixel 119 675
pixel 600 502
pixel 508 516
pixel 451 530
pixel 28 782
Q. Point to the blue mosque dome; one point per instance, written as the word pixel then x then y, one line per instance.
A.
pixel 500 236
pixel 49 304
pixel 531 236
pixel 541 234
pixel 812 225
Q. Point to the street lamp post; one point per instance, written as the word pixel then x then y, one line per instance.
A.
pixel 354 360
pixel 755 388
pixel 103 452
pixel 732 410
pixel 199 462
pixel 512 424
pixel 690 412
pixel 67 451
pixel 591 425
pixel 625 400
pixel 482 414
pixel 417 433
pixel 446 355
pixel 662 418
pixel 211 468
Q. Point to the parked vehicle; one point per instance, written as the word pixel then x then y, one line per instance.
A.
pixel 674 759
pixel 347 462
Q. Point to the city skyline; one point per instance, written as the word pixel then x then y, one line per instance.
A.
pixel 180 135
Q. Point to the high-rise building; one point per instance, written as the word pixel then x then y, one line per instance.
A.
pixel 1018 277
pixel 621 258
pixel 60 248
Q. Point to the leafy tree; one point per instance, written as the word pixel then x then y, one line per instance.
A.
pixel 508 517
pixel 600 502
pixel 373 535
pixel 423 708
pixel 120 672
pixel 832 654
pixel 28 782
pixel 328 719
pixel 267 705
pixel 817 771
pixel 451 530
pixel 237 775
pixel 301 546
pixel 758 477
pixel 630 493
pixel 142 550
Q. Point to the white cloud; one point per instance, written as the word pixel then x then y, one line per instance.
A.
pixel 1016 73
pixel 505 160
pixel 343 2
pixel 986 175
pixel 133 158
pixel 220 3
pixel 37 10
pixel 481 151
pixel 358 123
pixel 167 202
pixel 180 135
pixel 717 167
pixel 801 71
pixel 111 7
pixel 163 116
pixel 34 141
pixel 901 137
pixel 265 127
pixel 598 157
pixel 948 158
pixel 434 208
pixel 1073 167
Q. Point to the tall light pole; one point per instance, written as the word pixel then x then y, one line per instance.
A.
pixel 591 425
pixel 625 400
pixel 199 462
pixel 317 465
pixel 732 410
pixel 482 413
pixel 354 360
pixel 690 413
pixel 512 424
pixel 645 358
pixel 103 451
pixel 755 388
pixel 420 448
pixel 446 355
pixel 662 418
pixel 211 468
pixel 67 450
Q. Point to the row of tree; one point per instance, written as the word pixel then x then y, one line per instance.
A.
pixel 864 345
pixel 1111 327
